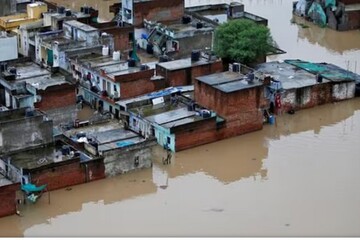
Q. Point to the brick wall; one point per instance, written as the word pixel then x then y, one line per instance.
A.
pixel 228 104
pixel 158 10
pixel 239 109
pixel 132 85
pixel 68 173
pixel 57 97
pixel 186 76
pixel 8 199
pixel 199 134
pixel 208 131
pixel 307 97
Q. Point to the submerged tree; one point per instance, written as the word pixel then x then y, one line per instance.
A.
pixel 242 41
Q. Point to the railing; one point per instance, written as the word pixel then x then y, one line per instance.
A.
pixel 10 172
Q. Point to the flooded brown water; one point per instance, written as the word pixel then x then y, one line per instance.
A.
pixel 299 177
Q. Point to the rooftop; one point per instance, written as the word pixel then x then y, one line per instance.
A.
pixel 327 70
pixel 229 81
pixel 60 40
pixel 42 156
pixel 79 25
pixel 289 75
pixel 182 63
pixel 168 115
pixel 36 76
pixel 108 136
pixel 115 138
pixel 157 94
pixel 111 67
pixel 15 114
pixel 219 12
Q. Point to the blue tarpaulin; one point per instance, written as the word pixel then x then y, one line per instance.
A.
pixel 30 188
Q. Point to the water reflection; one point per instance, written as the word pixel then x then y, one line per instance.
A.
pixel 339 42
pixel 237 170
pixel 296 178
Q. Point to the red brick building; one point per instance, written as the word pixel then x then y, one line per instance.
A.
pixel 55 97
pixel 123 35
pixel 238 101
pixel 8 199
pixel 184 71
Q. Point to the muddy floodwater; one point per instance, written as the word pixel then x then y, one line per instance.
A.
pixel 299 177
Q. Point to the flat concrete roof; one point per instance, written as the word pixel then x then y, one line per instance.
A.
pixel 96 60
pixel 15 114
pixel 117 70
pixel 112 135
pixel 170 116
pixel 60 40
pixel 182 63
pixel 120 143
pixel 290 76
pixel 38 157
pixel 28 70
pixel 228 81
pixel 79 25
pixel 111 67
pixel 162 93
pixel 43 82
pixel 36 76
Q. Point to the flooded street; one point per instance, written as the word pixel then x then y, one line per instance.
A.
pixel 299 177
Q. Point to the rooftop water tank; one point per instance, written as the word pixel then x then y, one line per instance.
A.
pixel 105 51
pixel 116 55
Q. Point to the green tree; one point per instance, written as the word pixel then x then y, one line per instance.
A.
pixel 242 41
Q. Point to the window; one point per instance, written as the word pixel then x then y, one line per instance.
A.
pixel 97 79
pixel 168 140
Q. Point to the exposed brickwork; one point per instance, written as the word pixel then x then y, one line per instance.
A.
pixel 139 84
pixel 241 111
pixel 8 199
pixel 57 97
pixel 186 76
pixel 308 97
pixel 68 174
pixel 96 170
pixel 208 131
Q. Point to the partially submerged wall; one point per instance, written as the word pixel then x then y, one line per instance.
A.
pixel 68 173
pixel 343 91
pixel 8 199
pixel 122 160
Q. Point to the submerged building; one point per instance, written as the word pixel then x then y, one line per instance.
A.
pixel 296 84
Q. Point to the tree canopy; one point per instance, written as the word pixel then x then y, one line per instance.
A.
pixel 242 40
